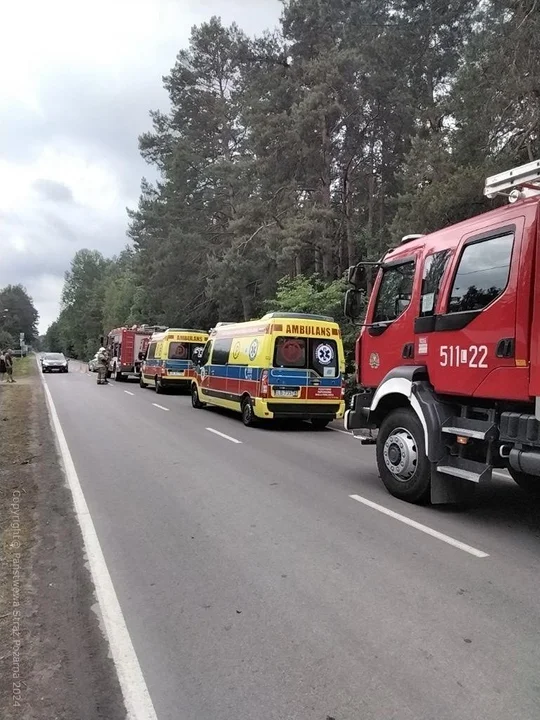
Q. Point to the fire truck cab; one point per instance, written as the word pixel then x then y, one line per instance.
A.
pixel 448 357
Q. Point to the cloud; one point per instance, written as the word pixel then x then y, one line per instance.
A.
pixel 77 82
pixel 53 191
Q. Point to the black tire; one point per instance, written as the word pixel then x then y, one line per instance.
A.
pixel 319 423
pixel 414 487
pixel 118 377
pixel 142 384
pixel 195 401
pixel 248 416
pixel 528 483
pixel 159 386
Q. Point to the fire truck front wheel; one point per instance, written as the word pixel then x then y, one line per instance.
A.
pixel 401 456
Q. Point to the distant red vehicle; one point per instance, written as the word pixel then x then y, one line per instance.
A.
pixel 127 348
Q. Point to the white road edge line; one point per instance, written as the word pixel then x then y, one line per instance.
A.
pixel 160 407
pixel 227 437
pixel 424 528
pixel 137 699
pixel 128 392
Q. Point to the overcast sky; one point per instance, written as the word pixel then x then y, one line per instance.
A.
pixel 77 80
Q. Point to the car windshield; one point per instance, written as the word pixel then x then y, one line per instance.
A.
pixel 54 356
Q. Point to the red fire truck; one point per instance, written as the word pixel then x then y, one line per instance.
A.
pixel 448 358
pixel 127 348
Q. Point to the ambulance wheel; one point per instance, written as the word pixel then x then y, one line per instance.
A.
pixel 159 386
pixel 196 403
pixel 319 423
pixel 248 416
pixel 529 483
pixel 142 383
pixel 401 457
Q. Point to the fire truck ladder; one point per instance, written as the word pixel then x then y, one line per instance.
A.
pixel 518 183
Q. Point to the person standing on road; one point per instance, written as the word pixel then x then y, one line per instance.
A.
pixel 2 365
pixel 102 366
pixel 8 359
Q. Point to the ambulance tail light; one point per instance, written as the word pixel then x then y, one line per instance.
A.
pixel 343 387
pixel 264 384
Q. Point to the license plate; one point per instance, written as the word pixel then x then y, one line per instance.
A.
pixel 285 393
pixel 176 373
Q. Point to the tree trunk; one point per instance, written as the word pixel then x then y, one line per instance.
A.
pixel 247 304
pixel 326 199
pixel 317 260
pixel 347 211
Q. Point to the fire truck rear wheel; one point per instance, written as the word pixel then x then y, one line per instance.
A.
pixel 401 457
pixel 529 483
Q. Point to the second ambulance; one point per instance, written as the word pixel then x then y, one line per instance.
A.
pixel 282 366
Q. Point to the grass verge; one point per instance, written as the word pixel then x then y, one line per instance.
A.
pixel 53 657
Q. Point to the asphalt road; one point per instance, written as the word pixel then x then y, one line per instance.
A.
pixel 255 588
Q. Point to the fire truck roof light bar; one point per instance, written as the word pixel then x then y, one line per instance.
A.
pixel 524 176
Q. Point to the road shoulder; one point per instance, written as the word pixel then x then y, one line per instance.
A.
pixel 54 655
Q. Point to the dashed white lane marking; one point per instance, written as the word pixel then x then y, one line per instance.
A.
pixel 160 407
pixel 137 699
pixel 227 437
pixel 128 393
pixel 423 528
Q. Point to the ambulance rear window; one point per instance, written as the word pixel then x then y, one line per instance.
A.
pixel 185 351
pixel 290 352
pixel 307 353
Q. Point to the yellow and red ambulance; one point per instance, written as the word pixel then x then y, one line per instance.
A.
pixel 286 365
pixel 171 357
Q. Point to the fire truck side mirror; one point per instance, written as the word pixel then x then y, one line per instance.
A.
pixel 356 275
pixel 353 304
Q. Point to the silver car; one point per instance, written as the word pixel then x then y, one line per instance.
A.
pixel 54 362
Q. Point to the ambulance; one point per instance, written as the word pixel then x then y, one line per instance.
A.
pixel 286 365
pixel 171 357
